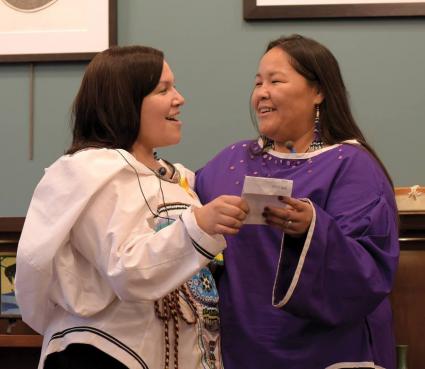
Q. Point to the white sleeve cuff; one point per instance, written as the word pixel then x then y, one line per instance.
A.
pixel 207 245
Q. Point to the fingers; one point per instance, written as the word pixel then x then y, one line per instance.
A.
pixel 295 219
pixel 296 204
pixel 289 227
pixel 281 222
pixel 232 206
pixel 237 201
pixel 221 229
pixel 294 209
pixel 234 212
pixel 224 215
pixel 229 221
pixel 225 225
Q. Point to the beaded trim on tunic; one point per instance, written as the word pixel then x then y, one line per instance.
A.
pixel 193 303
pixel 316 145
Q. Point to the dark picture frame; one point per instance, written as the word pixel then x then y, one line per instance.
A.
pixel 251 11
pixel 72 52
pixel 8 305
pixel 10 230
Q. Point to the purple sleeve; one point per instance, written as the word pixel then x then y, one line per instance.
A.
pixel 200 189
pixel 345 266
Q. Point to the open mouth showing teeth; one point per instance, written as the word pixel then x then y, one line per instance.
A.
pixel 266 110
pixel 172 119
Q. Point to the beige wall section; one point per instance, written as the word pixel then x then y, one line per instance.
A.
pixel 214 54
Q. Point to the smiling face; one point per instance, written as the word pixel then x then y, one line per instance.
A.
pixel 283 100
pixel 159 122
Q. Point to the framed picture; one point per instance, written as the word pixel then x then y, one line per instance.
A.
pixel 289 9
pixel 8 305
pixel 56 30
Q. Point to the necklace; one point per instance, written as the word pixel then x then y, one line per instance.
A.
pixel 156 215
pixel 171 175
pixel 315 145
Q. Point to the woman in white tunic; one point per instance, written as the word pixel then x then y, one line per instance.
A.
pixel 111 264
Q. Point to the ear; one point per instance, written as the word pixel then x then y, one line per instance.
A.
pixel 318 99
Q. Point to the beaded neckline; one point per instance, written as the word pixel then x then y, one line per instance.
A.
pixel 316 145
pixel 256 148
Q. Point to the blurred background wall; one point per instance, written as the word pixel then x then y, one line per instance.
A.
pixel 214 54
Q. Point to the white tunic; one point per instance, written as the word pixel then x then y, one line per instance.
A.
pixel 91 261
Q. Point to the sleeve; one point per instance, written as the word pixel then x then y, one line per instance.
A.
pixel 138 262
pixel 199 186
pixel 345 266
pixel 58 200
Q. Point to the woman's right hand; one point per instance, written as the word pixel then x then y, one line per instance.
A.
pixel 223 215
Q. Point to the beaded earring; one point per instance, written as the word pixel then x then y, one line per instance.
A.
pixel 317 143
pixel 267 143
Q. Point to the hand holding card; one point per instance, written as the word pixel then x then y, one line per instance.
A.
pixel 260 192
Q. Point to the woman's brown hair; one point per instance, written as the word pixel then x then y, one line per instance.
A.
pixel 106 110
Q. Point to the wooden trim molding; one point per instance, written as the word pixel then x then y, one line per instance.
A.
pixel 20 340
pixel 408 220
pixel 11 224
pixel 412 224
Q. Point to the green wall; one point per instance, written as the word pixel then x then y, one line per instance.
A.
pixel 214 53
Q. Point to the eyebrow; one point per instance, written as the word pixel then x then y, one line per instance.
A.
pixel 272 74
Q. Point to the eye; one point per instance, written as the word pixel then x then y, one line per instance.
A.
pixel 275 82
pixel 258 84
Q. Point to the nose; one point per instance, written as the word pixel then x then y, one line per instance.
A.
pixel 178 99
pixel 261 92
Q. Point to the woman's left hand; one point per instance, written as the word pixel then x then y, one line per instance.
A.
pixel 294 219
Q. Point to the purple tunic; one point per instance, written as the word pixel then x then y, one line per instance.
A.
pixel 320 301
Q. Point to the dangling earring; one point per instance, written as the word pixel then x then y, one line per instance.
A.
pixel 317 140
pixel 267 143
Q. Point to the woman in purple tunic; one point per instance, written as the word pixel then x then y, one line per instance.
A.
pixel 308 290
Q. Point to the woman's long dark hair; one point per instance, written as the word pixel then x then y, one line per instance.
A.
pixel 320 68
pixel 106 110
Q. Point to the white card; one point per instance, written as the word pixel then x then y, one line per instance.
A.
pixel 260 192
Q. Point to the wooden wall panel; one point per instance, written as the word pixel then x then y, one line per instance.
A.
pixel 408 296
pixel 408 301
